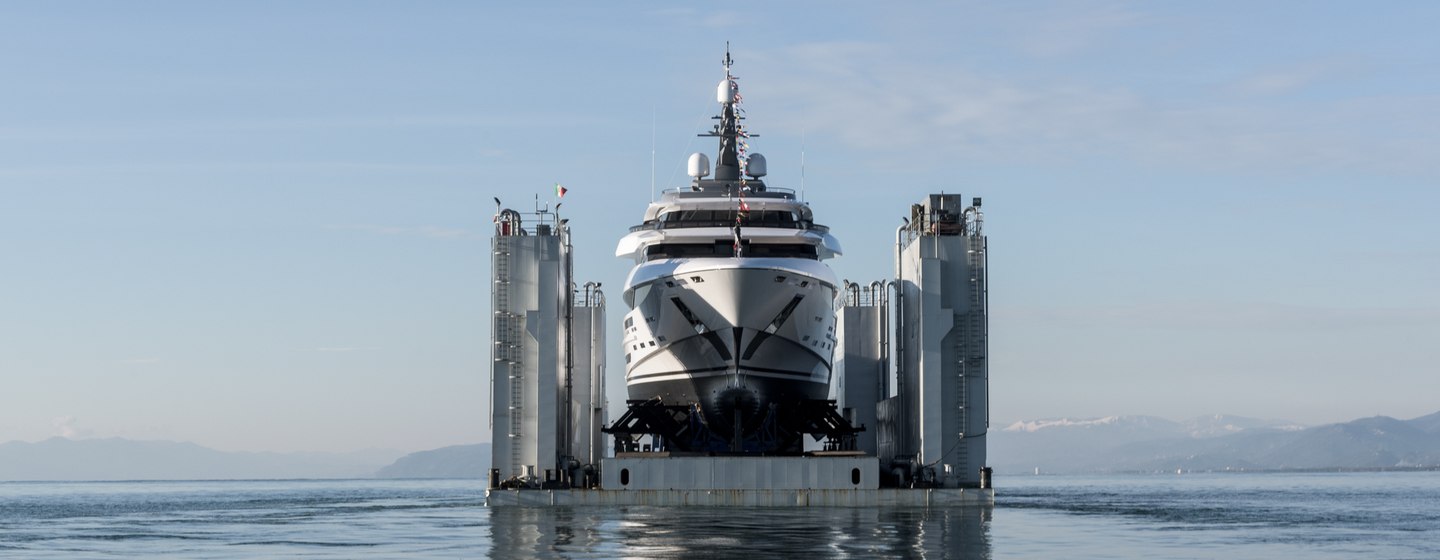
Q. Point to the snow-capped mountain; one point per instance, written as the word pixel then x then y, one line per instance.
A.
pixel 1226 424
pixel 1148 443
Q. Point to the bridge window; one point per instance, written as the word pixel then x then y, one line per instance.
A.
pixel 725 248
pixel 726 218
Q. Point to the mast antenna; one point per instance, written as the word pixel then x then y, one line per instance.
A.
pixel 652 153
pixel 802 155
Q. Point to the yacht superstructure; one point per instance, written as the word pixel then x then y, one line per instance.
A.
pixel 732 308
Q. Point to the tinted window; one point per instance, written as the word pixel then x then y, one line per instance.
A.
pixel 719 218
pixel 726 248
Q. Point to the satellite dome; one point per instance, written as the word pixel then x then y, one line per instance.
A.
pixel 755 165
pixel 727 91
pixel 699 165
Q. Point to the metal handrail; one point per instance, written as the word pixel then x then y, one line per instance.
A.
pixel 687 189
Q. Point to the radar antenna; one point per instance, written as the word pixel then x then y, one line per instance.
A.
pixel 729 130
pixel 730 164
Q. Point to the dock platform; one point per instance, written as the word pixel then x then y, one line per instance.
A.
pixel 826 481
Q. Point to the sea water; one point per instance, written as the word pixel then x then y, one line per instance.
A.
pixel 1221 515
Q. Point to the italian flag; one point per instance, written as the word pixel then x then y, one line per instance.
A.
pixel 560 191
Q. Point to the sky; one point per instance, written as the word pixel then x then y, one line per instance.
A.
pixel 264 226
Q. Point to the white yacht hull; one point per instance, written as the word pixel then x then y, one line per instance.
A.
pixel 732 335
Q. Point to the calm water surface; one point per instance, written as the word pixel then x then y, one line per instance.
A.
pixel 1372 515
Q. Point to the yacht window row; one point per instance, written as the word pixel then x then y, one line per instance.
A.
pixel 726 248
pixel 726 218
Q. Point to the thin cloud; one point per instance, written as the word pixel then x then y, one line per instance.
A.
pixel 673 12
pixel 1229 317
pixel 723 19
pixel 82 169
pixel 1274 83
pixel 65 426
pixel 902 112
pixel 904 108
pixel 139 361
pixel 1279 81
pixel 432 232
pixel 1056 33
pixel 198 129
pixel 338 349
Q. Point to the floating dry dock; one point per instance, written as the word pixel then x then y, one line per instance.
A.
pixel 908 434
pixel 743 350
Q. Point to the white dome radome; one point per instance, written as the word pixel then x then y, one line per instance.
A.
pixel 727 91
pixel 755 165
pixel 699 165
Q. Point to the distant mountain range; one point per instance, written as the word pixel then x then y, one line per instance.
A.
pixel 1148 443
pixel 1062 445
pixel 456 461
pixel 122 459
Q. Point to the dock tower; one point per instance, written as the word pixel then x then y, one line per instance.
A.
pixel 933 425
pixel 863 359
pixel 548 359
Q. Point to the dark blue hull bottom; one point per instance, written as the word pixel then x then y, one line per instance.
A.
pixel 748 405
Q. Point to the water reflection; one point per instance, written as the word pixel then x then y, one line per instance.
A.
pixel 660 532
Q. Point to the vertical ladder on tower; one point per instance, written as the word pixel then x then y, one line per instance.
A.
pixel 970 346
pixel 961 455
pixel 508 346
pixel 975 320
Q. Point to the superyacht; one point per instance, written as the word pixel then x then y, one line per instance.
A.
pixel 732 309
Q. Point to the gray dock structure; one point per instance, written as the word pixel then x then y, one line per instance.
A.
pixel 547 358
pixel 941 415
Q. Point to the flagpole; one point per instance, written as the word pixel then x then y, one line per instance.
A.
pixel 802 154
